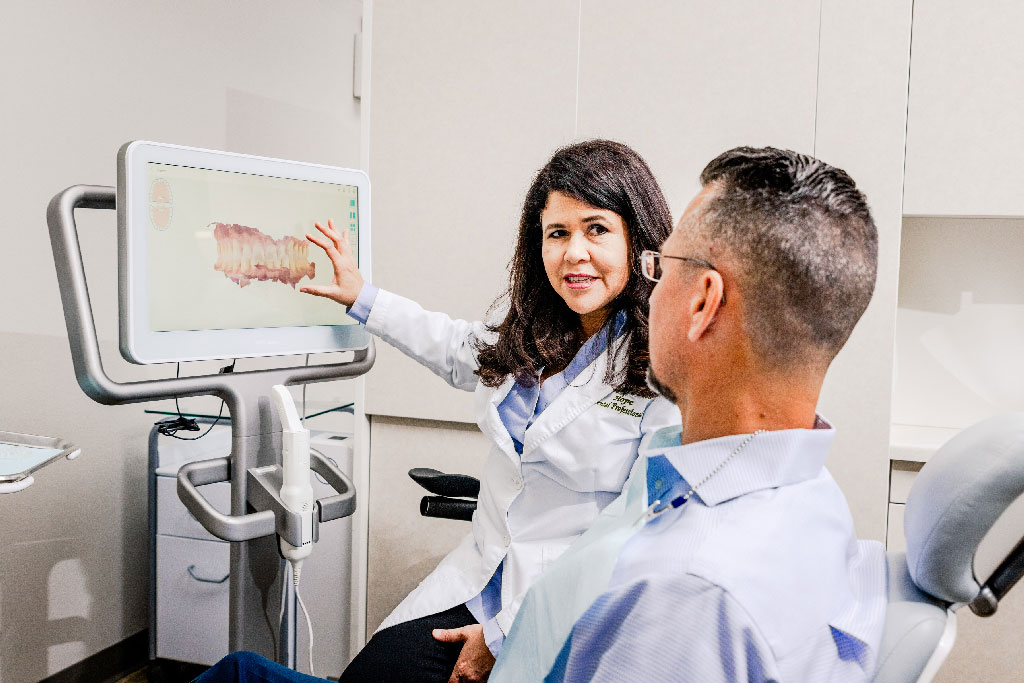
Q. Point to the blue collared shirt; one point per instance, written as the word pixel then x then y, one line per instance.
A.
pixel 360 308
pixel 522 405
pixel 757 577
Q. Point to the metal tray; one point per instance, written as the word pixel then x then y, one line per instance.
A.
pixel 23 454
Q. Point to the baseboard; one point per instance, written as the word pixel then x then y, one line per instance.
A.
pixel 110 664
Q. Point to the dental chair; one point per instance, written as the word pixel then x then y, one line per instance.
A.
pixel 956 499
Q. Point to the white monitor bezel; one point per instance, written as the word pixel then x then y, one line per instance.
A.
pixel 139 344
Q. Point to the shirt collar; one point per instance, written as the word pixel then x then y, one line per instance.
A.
pixel 769 460
pixel 594 347
pixel 519 406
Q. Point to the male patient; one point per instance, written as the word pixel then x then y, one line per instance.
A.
pixel 731 556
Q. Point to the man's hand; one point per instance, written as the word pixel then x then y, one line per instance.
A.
pixel 475 661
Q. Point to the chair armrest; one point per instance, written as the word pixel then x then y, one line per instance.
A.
pixel 447 508
pixel 447 485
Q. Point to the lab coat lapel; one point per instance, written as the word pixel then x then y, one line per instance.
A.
pixel 491 423
pixel 587 389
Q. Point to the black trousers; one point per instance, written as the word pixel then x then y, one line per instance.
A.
pixel 408 653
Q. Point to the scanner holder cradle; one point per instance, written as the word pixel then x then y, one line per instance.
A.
pixel 264 495
pixel 257 512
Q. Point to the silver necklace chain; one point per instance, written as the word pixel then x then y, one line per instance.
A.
pixel 654 510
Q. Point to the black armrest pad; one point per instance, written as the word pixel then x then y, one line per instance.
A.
pixel 441 484
pixel 447 508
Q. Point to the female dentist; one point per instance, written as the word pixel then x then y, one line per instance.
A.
pixel 561 391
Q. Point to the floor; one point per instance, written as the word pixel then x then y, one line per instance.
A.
pixel 163 671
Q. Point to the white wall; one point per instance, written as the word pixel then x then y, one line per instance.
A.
pixel 961 321
pixel 80 79
pixel 469 99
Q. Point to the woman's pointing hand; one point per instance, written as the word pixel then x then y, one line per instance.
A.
pixel 348 281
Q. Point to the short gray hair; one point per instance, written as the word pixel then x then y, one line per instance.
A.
pixel 805 243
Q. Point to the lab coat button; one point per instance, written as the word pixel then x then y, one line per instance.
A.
pixel 517 483
pixel 508 540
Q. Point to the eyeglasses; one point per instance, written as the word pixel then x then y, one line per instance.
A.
pixel 650 265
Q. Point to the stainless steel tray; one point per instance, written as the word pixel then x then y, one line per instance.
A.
pixel 23 454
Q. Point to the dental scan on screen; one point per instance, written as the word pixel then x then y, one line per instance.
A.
pixel 214 255
pixel 234 245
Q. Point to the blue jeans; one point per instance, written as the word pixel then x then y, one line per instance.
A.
pixel 249 667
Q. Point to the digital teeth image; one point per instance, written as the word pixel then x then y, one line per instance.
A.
pixel 245 254
pixel 160 192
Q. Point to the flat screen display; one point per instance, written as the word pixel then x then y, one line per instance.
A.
pixel 214 253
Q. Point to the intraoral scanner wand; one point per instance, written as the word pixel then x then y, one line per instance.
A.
pixel 296 491
pixel 297 496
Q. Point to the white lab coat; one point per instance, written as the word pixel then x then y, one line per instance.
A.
pixel 577 453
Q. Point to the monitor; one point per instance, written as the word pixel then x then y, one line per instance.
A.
pixel 212 253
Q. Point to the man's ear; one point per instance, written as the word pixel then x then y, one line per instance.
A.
pixel 707 297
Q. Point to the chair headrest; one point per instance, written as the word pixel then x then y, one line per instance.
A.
pixel 957 497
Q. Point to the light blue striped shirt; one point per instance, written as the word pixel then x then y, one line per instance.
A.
pixel 360 308
pixel 757 577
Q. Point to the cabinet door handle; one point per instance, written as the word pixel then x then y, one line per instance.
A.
pixel 192 573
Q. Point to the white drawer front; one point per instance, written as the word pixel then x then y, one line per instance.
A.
pixel 191 614
pixel 902 475
pixel 174 519
pixel 894 538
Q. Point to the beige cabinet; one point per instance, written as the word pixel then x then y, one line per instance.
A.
pixel 965 142
pixel 683 82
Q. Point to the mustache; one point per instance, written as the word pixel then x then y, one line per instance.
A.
pixel 659 387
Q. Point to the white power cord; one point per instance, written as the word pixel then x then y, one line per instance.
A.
pixel 296 568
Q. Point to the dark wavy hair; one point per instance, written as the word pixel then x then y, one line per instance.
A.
pixel 540 330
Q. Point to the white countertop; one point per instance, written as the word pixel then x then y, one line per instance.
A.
pixel 916 443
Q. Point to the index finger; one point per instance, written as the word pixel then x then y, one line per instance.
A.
pixel 320 242
pixel 329 232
